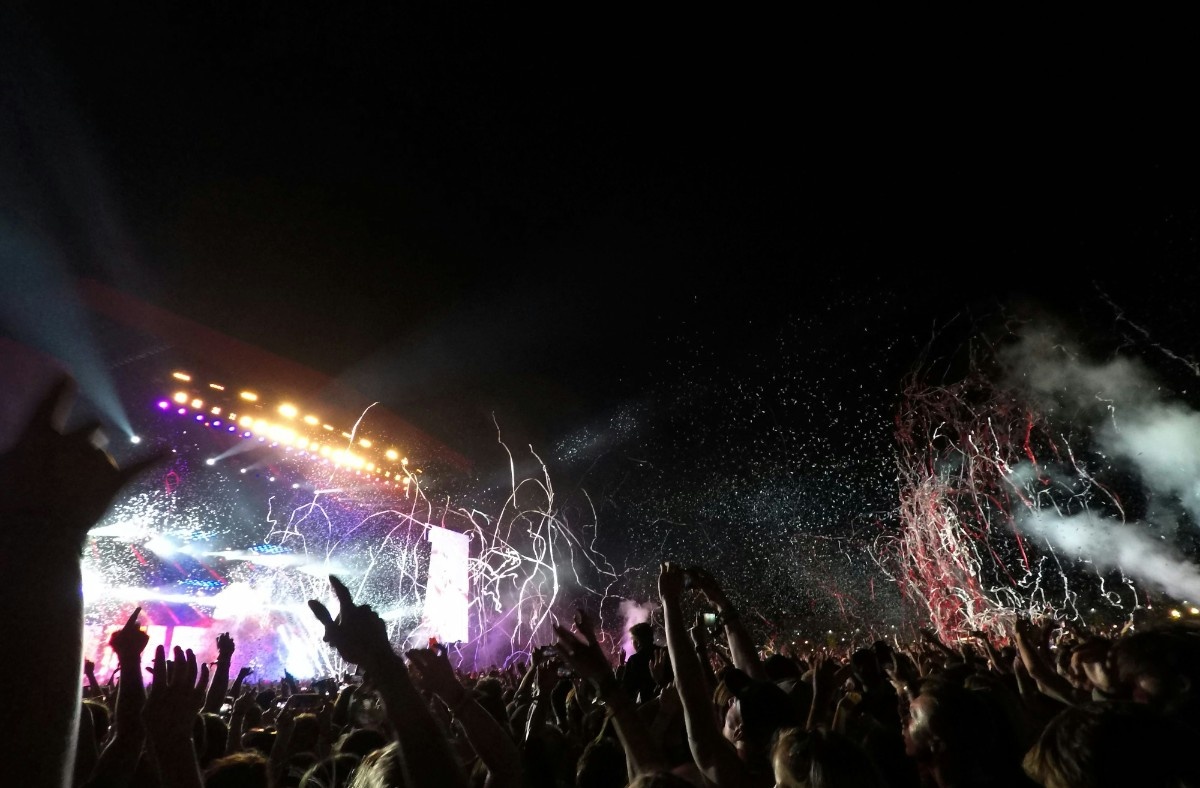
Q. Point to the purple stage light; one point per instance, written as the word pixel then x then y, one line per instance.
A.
pixel 163 404
pixel 216 422
pixel 245 434
pixel 232 428
pixel 199 417
pixel 181 411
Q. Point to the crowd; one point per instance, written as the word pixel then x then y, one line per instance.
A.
pixel 1034 703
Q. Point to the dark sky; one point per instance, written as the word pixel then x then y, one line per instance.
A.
pixel 484 211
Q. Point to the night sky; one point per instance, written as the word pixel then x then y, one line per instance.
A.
pixel 617 236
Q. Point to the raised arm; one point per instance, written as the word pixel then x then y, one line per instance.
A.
pixel 54 486
pixel 713 755
pixel 741 645
pixel 494 746
pixel 220 677
pixel 360 636
pixel 587 659
pixel 176 697
pixel 119 759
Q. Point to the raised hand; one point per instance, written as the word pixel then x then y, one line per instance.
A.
pixel 176 695
pixel 358 633
pixel 670 581
pixel 436 674
pixel 225 646
pixel 45 461
pixel 130 640
pixel 585 656
pixel 703 580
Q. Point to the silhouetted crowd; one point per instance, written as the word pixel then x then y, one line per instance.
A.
pixel 696 702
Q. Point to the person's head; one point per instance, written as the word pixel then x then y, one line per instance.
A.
pixel 239 770
pixel 865 665
pixel 360 742
pixel 305 734
pixel 780 668
pixel 331 772
pixel 821 759
pixel 964 733
pixel 215 735
pixel 758 709
pixel 1159 666
pixel 642 635
pixel 383 768
pixel 1103 745
pixel 258 739
pixel 602 765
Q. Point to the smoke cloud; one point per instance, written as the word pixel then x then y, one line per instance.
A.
pixel 1109 544
pixel 1132 422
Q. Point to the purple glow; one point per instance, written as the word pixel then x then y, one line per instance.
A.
pixel 216 423
pixel 181 411
pixel 245 434
pixel 232 428
pixel 199 417
pixel 163 404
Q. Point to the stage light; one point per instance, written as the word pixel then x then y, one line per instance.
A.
pixel 324 451
pixel 243 470
pixel 136 439
pixel 246 421
pixel 347 436
pixel 199 417
pixel 301 442
pixel 197 403
pixel 296 486
pixel 181 411
pixel 216 411
pixel 404 461
pixel 314 447
pixel 216 422
pixel 180 397
pixel 370 466
pixel 185 377
pixel 288 411
pixel 232 428
pixel 272 478
pixel 392 454
pixel 249 396
pixel 366 444
pixel 216 386
pixel 313 420
pixel 261 426
pixel 210 461
pixel 163 404
pixel 327 427
pixel 246 434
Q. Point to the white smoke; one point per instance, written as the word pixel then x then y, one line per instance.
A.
pixel 1132 422
pixel 1109 544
